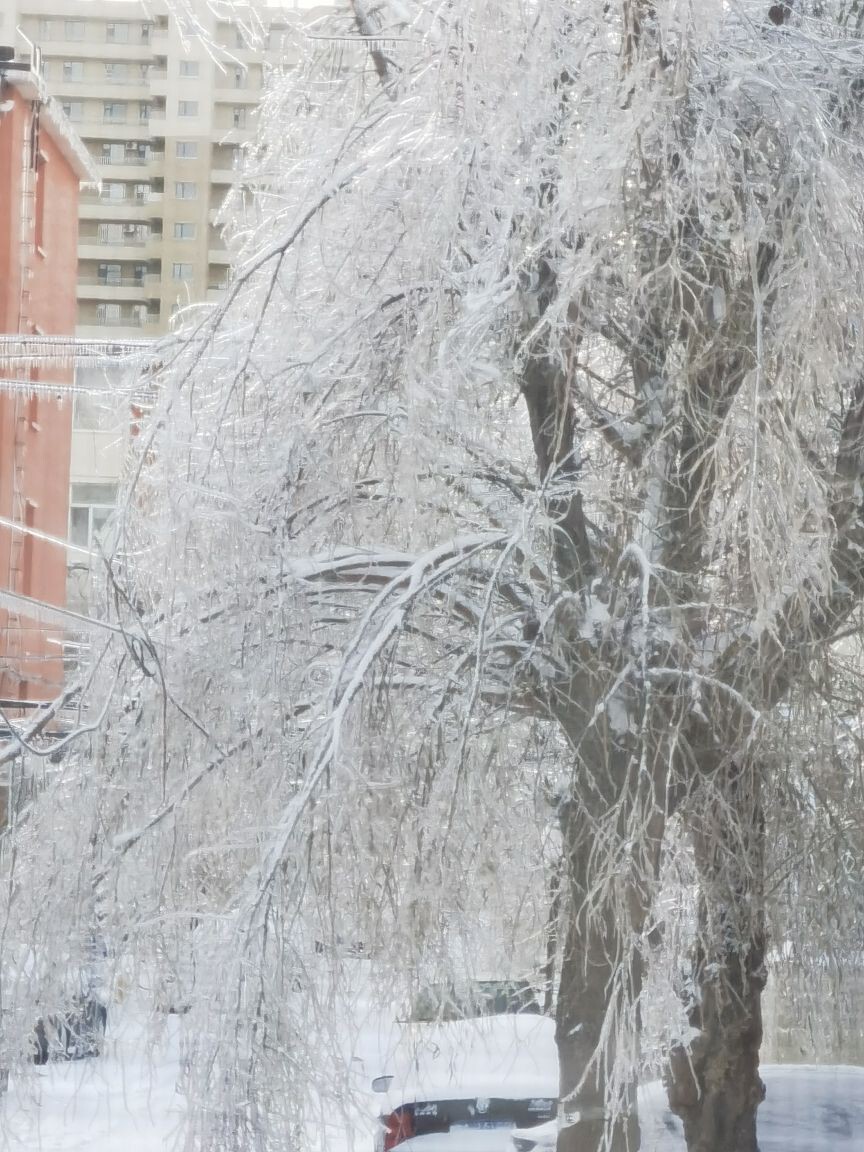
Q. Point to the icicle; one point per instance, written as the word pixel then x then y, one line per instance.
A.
pixel 34 351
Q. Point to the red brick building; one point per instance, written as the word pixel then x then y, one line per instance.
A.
pixel 42 165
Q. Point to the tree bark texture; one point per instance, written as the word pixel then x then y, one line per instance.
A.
pixel 714 1084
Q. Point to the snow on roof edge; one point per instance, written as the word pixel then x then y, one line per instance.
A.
pixel 63 134
pixel 71 144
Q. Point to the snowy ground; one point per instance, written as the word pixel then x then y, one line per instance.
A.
pixel 806 1109
pixel 126 1101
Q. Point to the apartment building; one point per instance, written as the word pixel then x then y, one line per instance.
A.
pixel 163 113
pixel 42 165
pixel 163 116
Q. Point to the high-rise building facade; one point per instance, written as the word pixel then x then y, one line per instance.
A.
pixel 163 113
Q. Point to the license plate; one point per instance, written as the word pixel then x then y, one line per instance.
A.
pixel 482 1125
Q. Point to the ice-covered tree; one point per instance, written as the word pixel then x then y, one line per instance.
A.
pixel 519 474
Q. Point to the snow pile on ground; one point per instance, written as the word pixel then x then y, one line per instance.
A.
pixel 124 1101
pixel 807 1109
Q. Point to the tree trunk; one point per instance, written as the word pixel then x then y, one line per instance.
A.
pixel 597 1018
pixel 589 972
pixel 714 1085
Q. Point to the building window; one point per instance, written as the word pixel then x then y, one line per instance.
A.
pixel 90 507
pixel 45 29
pixel 239 77
pixel 188 67
pixel 239 117
pixel 187 149
pixel 117 33
pixel 110 274
pixel 108 314
pixel 185 190
pixel 145 33
pixel 182 271
pixel 122 233
pixel 187 107
pixel 73 71
pixel 184 231
pixel 141 193
pixel 112 191
pixel 94 407
pixel 143 112
pixel 139 272
pixel 116 73
pixel 74 109
pixel 114 112
pixel 132 152
pixel 74 29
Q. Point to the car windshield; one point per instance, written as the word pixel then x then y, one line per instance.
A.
pixel 474 999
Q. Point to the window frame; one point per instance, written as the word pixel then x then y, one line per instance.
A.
pixel 185 184
pixel 110 118
pixel 70 66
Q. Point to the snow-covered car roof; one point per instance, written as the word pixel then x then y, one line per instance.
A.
pixel 510 1056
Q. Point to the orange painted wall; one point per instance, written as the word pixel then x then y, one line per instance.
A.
pixel 37 295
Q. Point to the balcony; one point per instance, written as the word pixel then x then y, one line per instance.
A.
pixel 100 88
pixel 104 208
pixel 126 288
pixel 92 248
pixel 230 135
pixel 218 256
pixel 55 47
pixel 88 329
pixel 226 95
pixel 158 81
pixel 129 167
pixel 95 128
pixel 134 320
pixel 216 292
pixel 119 88
pixel 223 176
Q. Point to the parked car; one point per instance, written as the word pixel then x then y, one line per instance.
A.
pixel 463 1085
pixel 540 1139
